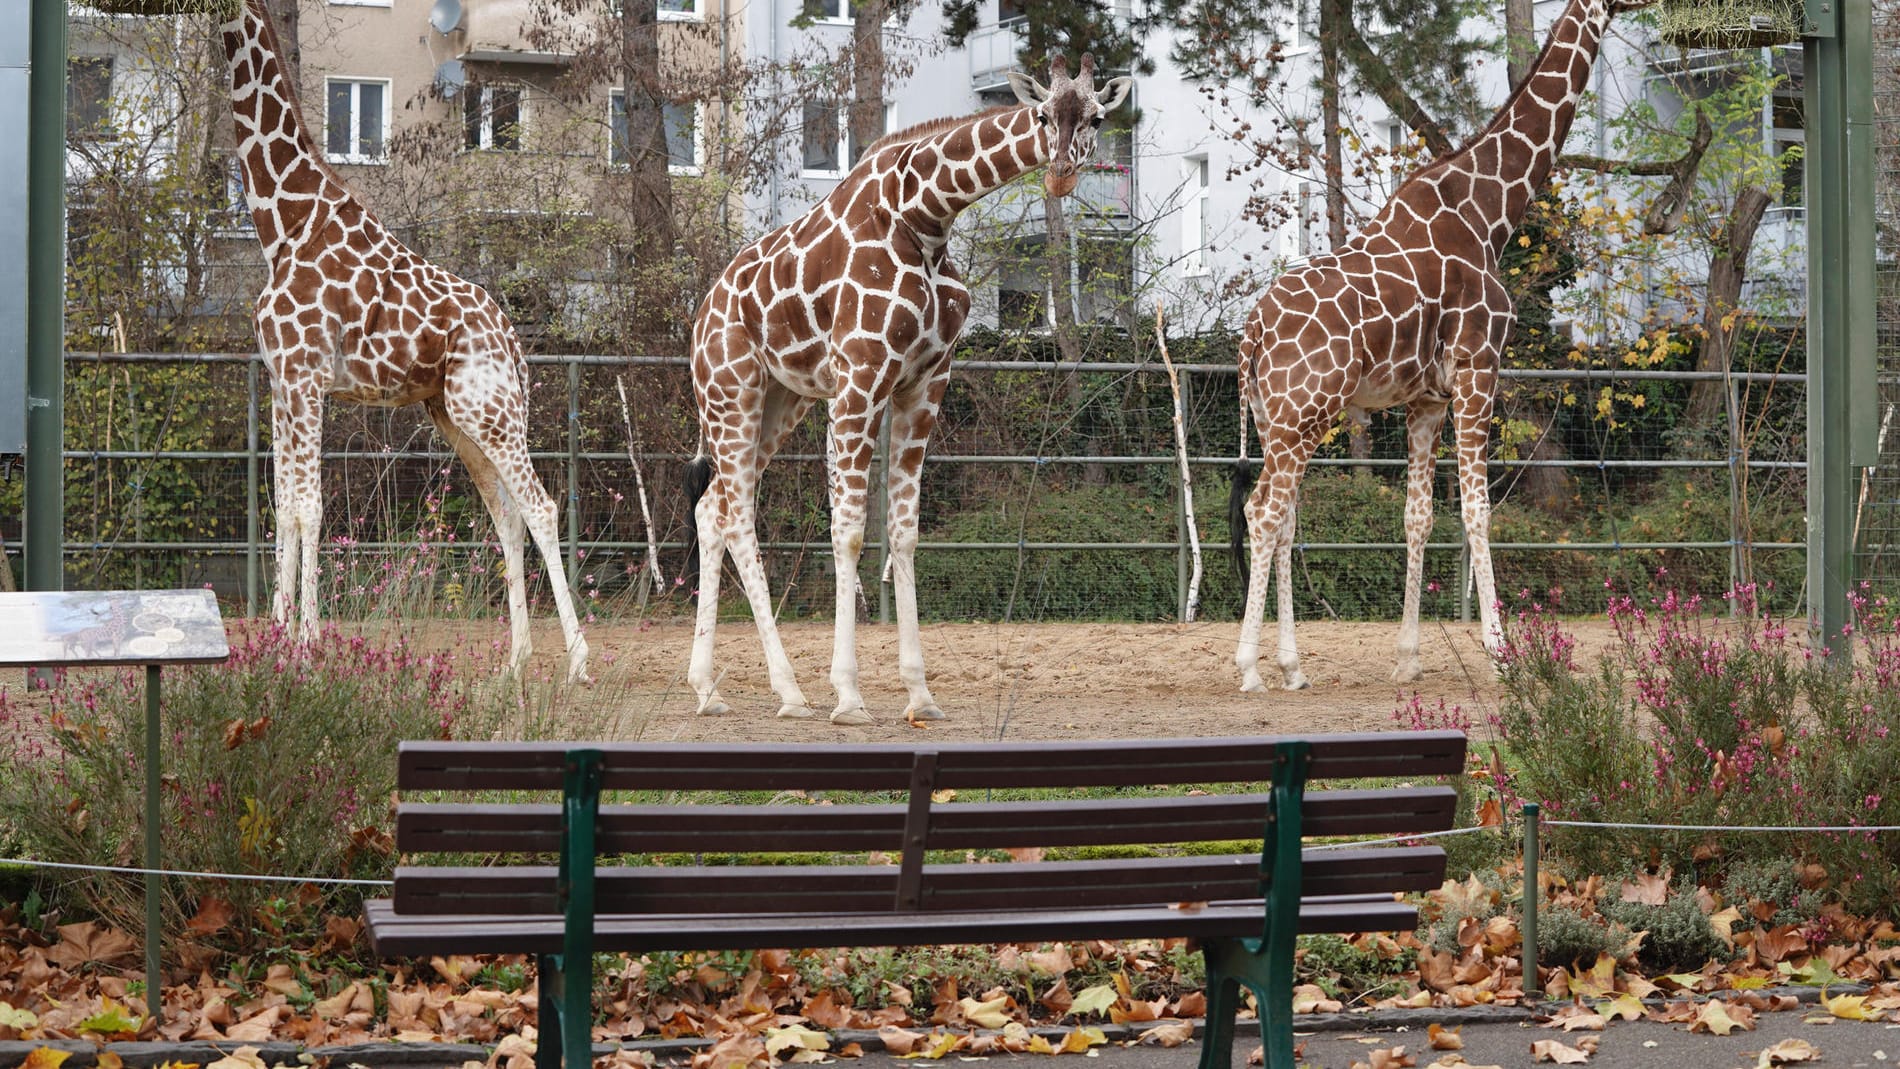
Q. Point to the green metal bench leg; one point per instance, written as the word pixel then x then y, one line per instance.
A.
pixel 574 888
pixel 1223 1005
pixel 547 1047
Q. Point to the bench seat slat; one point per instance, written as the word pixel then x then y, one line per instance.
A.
pixel 1109 763
pixel 717 829
pixel 700 890
pixel 522 933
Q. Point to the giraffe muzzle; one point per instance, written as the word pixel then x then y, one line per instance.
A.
pixel 1060 179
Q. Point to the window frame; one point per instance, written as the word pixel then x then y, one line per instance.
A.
pixel 1195 230
pixel 838 12
pixel 106 129
pixel 356 82
pixel 695 15
pixel 841 143
pixel 616 126
pixel 486 138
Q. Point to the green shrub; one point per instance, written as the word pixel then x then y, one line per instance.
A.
pixel 1773 882
pixel 1568 937
pixel 1679 936
pixel 1343 969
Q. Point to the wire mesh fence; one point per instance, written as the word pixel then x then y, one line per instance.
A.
pixel 1877 513
pixel 1051 492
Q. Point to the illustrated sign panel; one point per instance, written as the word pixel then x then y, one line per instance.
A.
pixel 109 627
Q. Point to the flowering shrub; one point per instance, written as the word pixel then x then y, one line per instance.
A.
pixel 280 761
pixel 1706 719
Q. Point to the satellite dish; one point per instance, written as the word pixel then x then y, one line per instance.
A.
pixel 449 77
pixel 446 15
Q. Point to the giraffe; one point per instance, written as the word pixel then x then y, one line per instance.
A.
pixel 1411 310
pixel 349 312
pixel 856 303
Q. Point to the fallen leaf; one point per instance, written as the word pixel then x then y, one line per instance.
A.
pixel 20 1020
pixel 1715 1018
pixel 1311 998
pixel 1851 1007
pixel 241 1058
pixel 1095 999
pixel 1080 1040
pixel 44 1058
pixel 1549 1050
pixel 1786 1052
pixel 112 1021
pixel 1386 1058
pixel 899 1041
pixel 1625 1005
pixel 1168 1033
pixel 990 1014
pixel 795 1037
pixel 1438 1037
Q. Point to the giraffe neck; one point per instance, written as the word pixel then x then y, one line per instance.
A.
pixel 285 176
pixel 1510 158
pixel 947 172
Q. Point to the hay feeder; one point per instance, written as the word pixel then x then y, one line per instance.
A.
pixel 1729 23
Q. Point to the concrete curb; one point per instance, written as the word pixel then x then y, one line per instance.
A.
pixel 395 1055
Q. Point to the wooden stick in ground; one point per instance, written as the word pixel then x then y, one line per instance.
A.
pixel 640 489
pixel 1187 478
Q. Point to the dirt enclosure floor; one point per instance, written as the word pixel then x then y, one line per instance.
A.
pixel 1040 680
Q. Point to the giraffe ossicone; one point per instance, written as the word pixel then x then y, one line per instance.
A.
pixel 856 304
pixel 1410 311
pixel 350 312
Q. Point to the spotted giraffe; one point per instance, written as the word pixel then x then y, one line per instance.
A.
pixel 1412 310
pixel 351 313
pixel 857 304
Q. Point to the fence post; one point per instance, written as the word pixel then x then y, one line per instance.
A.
pixel 573 475
pixel 1183 552
pixel 251 521
pixel 1464 583
pixel 1532 986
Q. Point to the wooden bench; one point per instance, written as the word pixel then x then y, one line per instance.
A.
pixel 1255 901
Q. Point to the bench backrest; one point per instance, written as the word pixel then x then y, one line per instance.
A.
pixel 937 804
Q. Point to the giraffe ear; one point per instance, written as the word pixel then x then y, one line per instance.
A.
pixel 1028 90
pixel 1114 93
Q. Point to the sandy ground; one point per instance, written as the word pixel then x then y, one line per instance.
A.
pixel 1042 680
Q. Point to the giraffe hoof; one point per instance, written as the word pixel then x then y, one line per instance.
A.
pixel 854 717
pixel 1295 680
pixel 1407 672
pixel 715 707
pixel 923 713
pixel 1251 683
pixel 795 711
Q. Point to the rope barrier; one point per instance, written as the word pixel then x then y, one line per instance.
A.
pixel 1721 827
pixel 199 875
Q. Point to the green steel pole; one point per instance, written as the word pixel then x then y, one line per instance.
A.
pixel 1533 984
pixel 1839 97
pixel 154 989
pixel 44 527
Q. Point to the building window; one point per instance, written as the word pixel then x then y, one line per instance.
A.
pixel 1194 226
pixel 358 113
pixel 491 116
pixel 680 11
pixel 830 10
pixel 825 146
pixel 680 122
pixel 88 97
pixel 1104 275
pixel 1790 137
pixel 857 146
pixel 1022 287
pixel 362 3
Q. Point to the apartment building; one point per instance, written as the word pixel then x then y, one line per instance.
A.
pixel 756 132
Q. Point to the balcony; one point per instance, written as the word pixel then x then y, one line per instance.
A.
pixel 496 31
pixel 992 53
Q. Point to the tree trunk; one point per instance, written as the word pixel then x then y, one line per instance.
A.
pixel 650 186
pixel 1520 39
pixel 867 74
pixel 1726 272
pixel 284 13
pixel 1061 263
pixel 1333 15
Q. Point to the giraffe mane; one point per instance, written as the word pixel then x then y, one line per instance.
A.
pixel 933 126
pixel 1499 117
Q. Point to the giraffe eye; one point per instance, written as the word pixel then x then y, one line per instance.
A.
pixel 1097 121
pixel 1042 118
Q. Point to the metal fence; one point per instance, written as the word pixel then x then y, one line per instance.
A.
pixel 1051 493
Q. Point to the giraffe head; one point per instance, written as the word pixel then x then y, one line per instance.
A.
pixel 1069 110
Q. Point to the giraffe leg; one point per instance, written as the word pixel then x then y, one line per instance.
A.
pixel 1269 513
pixel 742 539
pixel 1287 653
pixel 502 441
pixel 1423 422
pixel 1474 394
pixel 296 445
pixel 914 415
pixel 849 447
pixel 510 527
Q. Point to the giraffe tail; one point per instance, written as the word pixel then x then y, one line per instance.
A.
pixel 1243 480
pixel 695 480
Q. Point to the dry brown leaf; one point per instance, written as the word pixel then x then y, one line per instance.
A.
pixel 1387 1058
pixel 1549 1050
pixel 1438 1037
pixel 1168 1033
pixel 1311 998
pixel 899 1040
pixel 1786 1052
